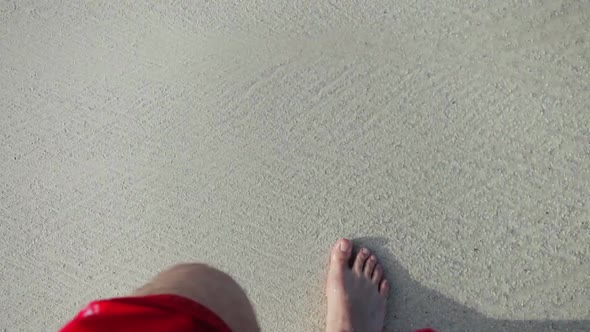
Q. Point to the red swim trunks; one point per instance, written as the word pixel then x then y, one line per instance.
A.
pixel 152 313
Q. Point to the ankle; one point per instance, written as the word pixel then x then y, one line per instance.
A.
pixel 339 326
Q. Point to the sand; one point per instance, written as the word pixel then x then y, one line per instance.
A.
pixel 451 137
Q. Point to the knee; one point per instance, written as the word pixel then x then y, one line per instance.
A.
pixel 212 288
pixel 194 272
pixel 194 269
pixel 189 279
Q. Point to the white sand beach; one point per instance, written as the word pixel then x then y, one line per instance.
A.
pixel 450 137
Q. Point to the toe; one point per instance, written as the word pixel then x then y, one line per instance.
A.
pixel 340 254
pixel 377 274
pixel 370 266
pixel 384 289
pixel 359 261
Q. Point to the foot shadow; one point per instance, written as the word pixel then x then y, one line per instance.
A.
pixel 416 306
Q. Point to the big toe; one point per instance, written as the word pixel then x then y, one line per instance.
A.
pixel 340 254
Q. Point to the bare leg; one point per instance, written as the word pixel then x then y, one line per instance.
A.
pixel 209 287
pixel 357 295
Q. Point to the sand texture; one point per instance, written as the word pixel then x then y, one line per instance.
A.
pixel 451 137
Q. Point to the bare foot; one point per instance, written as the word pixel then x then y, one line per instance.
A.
pixel 357 295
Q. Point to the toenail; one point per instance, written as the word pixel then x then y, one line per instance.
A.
pixel 343 245
pixel 365 251
pixel 373 258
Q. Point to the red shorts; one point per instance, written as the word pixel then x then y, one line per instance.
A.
pixel 152 313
